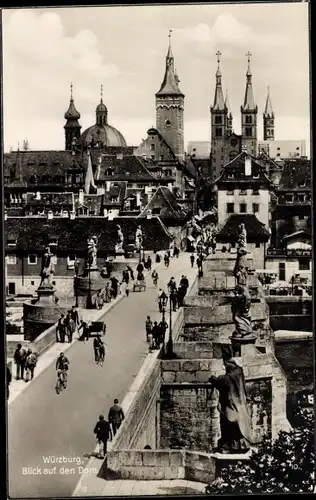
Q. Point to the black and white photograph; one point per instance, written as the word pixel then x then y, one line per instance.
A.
pixel 157 229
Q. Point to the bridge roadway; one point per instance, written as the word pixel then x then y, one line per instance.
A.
pixel 43 425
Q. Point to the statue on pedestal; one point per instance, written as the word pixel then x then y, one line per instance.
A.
pixel 242 237
pixel 120 240
pixel 139 238
pixel 48 270
pixel 241 268
pixel 232 406
pixel 91 261
pixel 241 304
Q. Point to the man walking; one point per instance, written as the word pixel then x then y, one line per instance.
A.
pixel 31 362
pixel 75 317
pixel 156 334
pixel 174 299
pixel 192 259
pixel 17 361
pixel 103 433
pixel 85 330
pixel 61 329
pixel 116 416
pixel 184 283
pixel 148 327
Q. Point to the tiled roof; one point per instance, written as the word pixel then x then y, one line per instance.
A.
pixel 236 167
pixel 93 202
pixel 128 168
pixel 166 202
pixel 256 230
pixel 52 199
pixel 118 191
pixel 296 173
pixel 72 234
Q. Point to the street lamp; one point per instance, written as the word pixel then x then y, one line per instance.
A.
pixel 89 298
pixel 170 341
pixel 163 299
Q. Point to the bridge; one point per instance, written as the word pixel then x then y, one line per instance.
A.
pixel 46 430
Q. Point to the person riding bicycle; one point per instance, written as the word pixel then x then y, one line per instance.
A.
pixel 155 277
pixel 62 365
pixel 98 347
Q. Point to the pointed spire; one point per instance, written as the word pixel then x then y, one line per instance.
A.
pixel 249 102
pixel 219 104
pixel 89 179
pixel 72 113
pixel 170 82
pixel 268 109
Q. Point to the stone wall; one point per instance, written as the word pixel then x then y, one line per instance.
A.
pixel 223 262
pixel 158 465
pixel 221 314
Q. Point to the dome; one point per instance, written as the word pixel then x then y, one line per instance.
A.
pixel 107 135
pixel 72 113
pixel 101 108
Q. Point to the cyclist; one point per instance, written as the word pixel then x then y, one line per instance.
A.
pixel 62 365
pixel 155 277
pixel 98 347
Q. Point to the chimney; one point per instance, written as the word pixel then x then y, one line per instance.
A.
pixel 72 214
pixel 105 212
pixel 108 186
pixel 138 199
pixel 81 197
pixel 38 195
pixel 110 215
pixel 247 166
pixel 50 214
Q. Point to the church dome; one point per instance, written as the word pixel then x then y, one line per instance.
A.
pixel 105 134
pixel 72 113
pixel 101 108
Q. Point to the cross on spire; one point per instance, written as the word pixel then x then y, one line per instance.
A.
pixel 248 55
pixel 169 36
pixel 218 54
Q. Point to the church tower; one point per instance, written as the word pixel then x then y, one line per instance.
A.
pixel 72 127
pixel 218 124
pixel 170 107
pixel 249 112
pixel 268 120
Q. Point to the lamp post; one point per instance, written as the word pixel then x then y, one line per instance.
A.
pixel 170 340
pixel 89 298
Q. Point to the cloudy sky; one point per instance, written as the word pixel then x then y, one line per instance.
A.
pixel 124 49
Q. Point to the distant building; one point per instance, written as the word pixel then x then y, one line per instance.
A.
pixel 283 150
pixel 199 149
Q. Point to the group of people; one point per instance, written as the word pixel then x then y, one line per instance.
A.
pixel 105 430
pixel 68 325
pixel 199 262
pixel 155 333
pixel 25 361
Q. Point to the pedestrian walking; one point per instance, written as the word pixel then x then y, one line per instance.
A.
pixel 31 362
pixel 174 299
pixel 181 294
pixel 103 433
pixel 61 329
pixel 70 326
pixel 148 326
pixel 156 335
pixel 107 292
pixel 116 416
pixel 184 283
pixel 17 361
pixel 150 340
pixel 166 260
pixel 131 272
pixel 149 263
pixel 163 325
pixel 127 289
pixel 75 317
pixel 192 259
pixel 114 286
pixel 159 299
pixel 172 284
pixel 158 258
pixel 9 379
pixel 85 330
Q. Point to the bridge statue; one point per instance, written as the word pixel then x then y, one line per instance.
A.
pixel 241 267
pixel 139 238
pixel 241 303
pixel 242 237
pixel 91 261
pixel 120 240
pixel 48 270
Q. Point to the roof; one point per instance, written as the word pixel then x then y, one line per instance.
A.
pixel 268 111
pixel 256 230
pixel 72 113
pixel 93 202
pixel 105 134
pixel 237 168
pixel 170 82
pixel 265 159
pixel 249 101
pixel 303 232
pixel 72 234
pixel 127 168
pixel 166 202
pixel 50 199
pixel 296 175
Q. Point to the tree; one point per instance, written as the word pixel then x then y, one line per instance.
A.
pixel 287 465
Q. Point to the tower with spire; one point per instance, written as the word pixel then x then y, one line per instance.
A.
pixel 101 111
pixel 72 126
pixel 170 107
pixel 219 123
pixel 249 112
pixel 268 120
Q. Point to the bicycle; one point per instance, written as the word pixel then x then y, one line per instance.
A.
pixel 61 382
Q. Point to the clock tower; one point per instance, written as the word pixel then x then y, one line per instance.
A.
pixel 170 107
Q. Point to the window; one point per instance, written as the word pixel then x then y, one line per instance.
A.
pixel 11 259
pixel 231 175
pixel 303 264
pixel 282 271
pixel 156 210
pixel 243 208
pixel 11 242
pixel 230 191
pixel 218 132
pixel 248 131
pixel 218 120
pixel 78 179
pixel 71 257
pixel 301 217
pixel 289 198
pixel 32 259
pixel 255 191
pixel 301 198
pixel 255 208
pixel 32 283
pixel 248 119
pixel 243 191
pixel 257 245
pixel 230 208
pixel 152 147
pixel 152 157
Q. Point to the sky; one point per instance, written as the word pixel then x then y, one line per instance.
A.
pixel 124 49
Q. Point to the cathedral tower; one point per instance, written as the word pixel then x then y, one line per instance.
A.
pixel 218 124
pixel 170 107
pixel 249 112
pixel 72 127
pixel 268 120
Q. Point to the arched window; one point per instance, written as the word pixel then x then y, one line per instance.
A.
pixel 248 119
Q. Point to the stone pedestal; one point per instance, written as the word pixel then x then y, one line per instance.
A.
pixel 244 346
pixel 42 314
pixel 88 284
